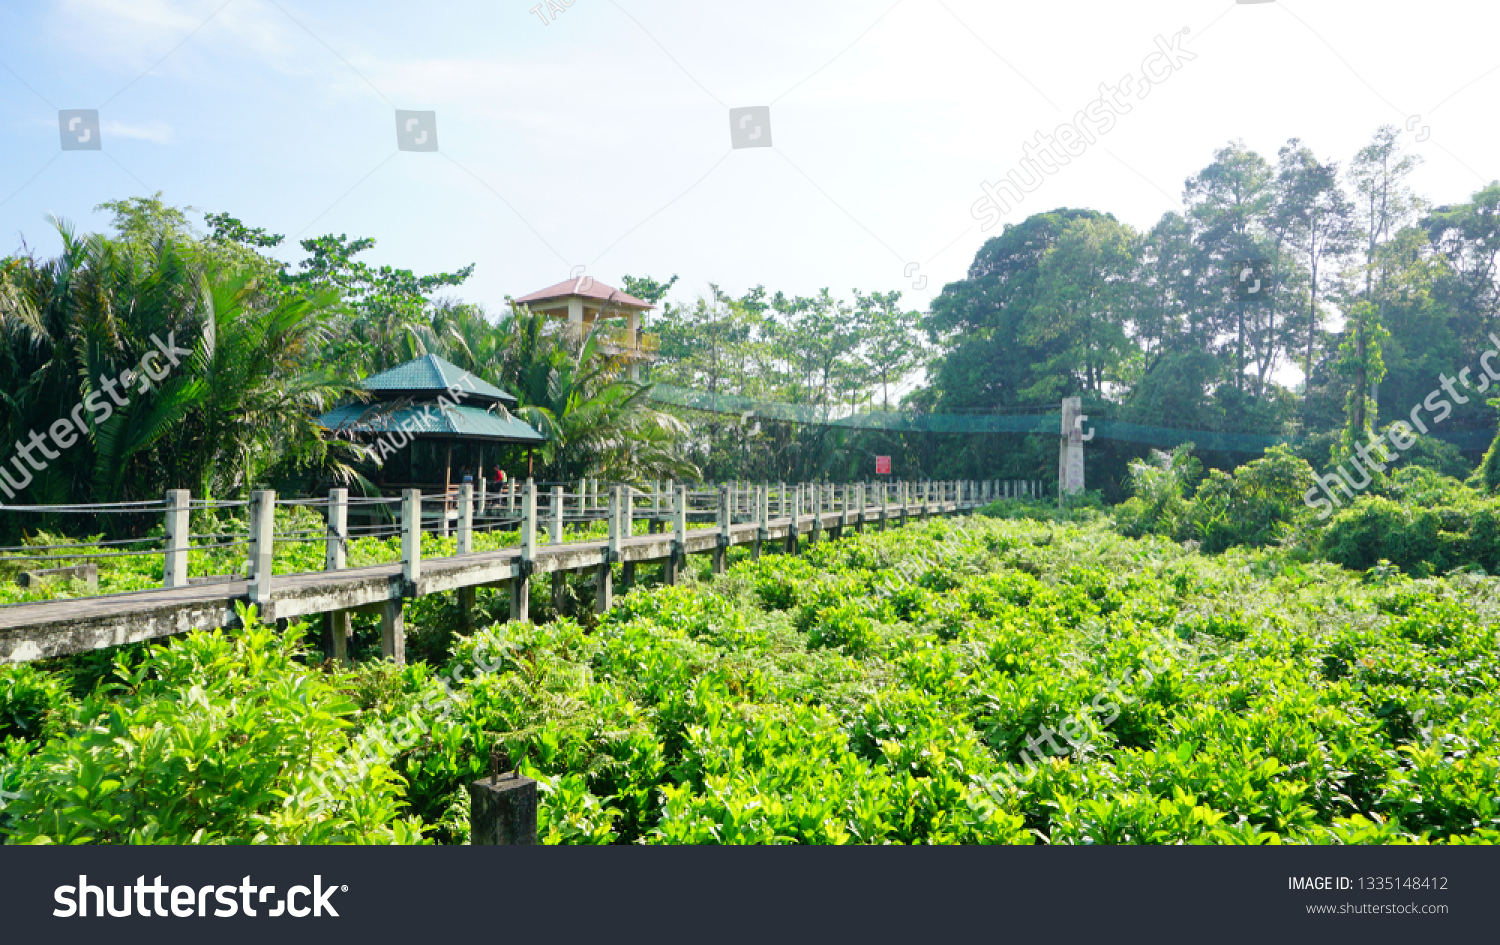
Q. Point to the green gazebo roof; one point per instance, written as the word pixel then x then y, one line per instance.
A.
pixel 412 399
pixel 430 420
pixel 430 375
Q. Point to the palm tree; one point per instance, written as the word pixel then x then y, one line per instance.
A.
pixel 239 406
pixel 596 420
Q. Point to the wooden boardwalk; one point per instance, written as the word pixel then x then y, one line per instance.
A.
pixel 53 628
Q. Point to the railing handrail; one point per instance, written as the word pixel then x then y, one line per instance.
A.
pixel 524 506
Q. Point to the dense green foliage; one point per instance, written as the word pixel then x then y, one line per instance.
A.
pixel 1414 518
pixel 1423 523
pixel 882 688
pixel 1254 505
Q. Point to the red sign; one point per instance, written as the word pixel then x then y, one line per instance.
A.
pixel 882 465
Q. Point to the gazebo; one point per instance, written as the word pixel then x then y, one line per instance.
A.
pixel 583 301
pixel 421 414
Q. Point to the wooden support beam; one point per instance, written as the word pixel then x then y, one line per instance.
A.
pixel 393 632
pixel 467 601
pixel 338 627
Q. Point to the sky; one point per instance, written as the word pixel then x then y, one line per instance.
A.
pixel 599 134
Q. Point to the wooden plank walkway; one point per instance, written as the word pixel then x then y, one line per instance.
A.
pixel 53 628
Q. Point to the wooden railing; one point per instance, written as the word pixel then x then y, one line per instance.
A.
pixel 724 514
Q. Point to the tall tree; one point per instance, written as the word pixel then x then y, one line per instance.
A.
pixel 1080 319
pixel 1318 216
pixel 891 346
pixel 1383 202
pixel 1228 202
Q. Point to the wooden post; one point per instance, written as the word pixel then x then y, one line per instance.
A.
pixel 905 498
pixel 725 516
pixel 466 546
pixel 411 538
pixel 604 595
pixel 336 624
pixel 465 519
pixel 393 632
pixel 262 546
pixel 792 534
pixel 627 529
pixel 503 811
pixel 678 554
pixel 762 518
pixel 670 494
pixel 520 587
pixel 815 499
pixel 175 566
pixel 335 548
pixel 554 538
